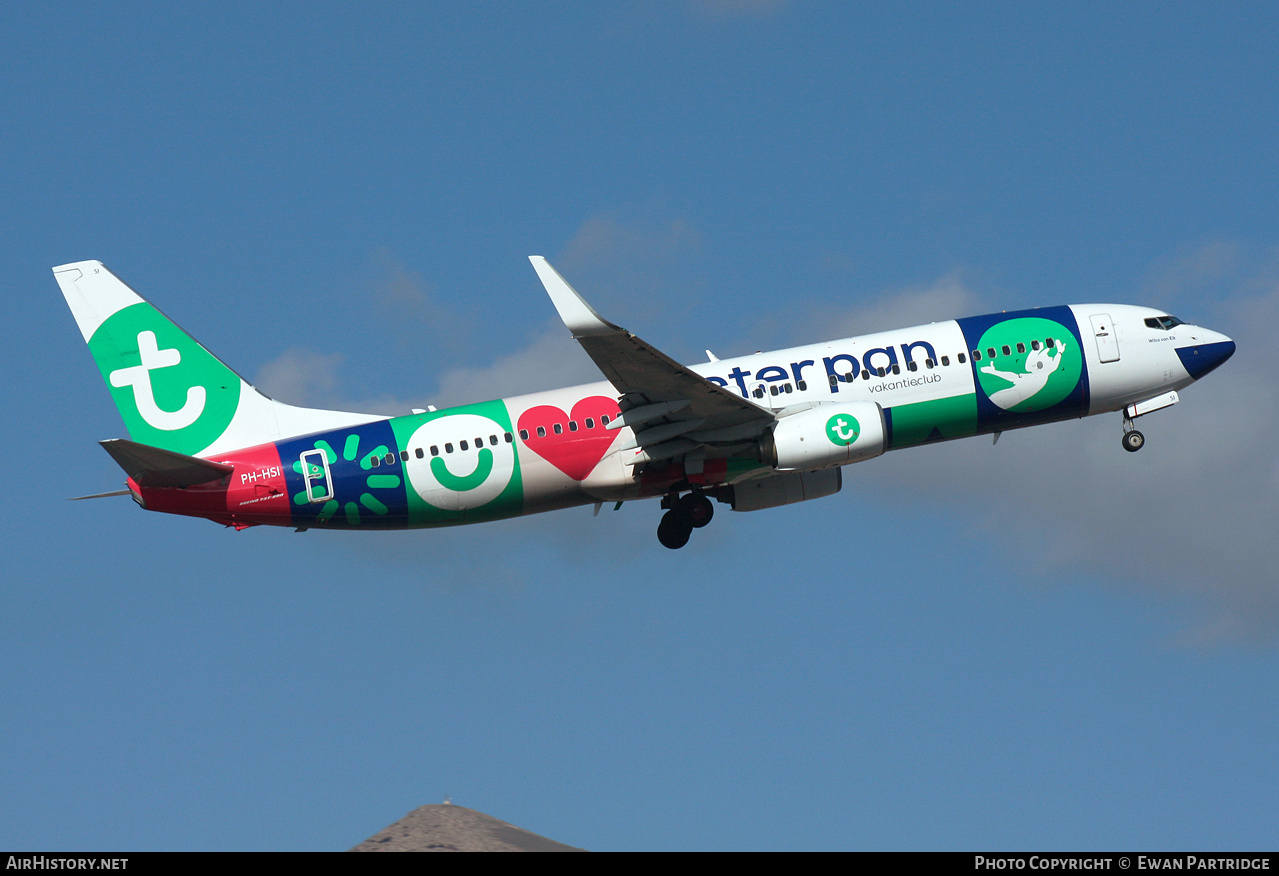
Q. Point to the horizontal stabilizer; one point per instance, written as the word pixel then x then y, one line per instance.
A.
pixel 154 467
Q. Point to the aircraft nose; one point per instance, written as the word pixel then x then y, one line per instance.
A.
pixel 1210 350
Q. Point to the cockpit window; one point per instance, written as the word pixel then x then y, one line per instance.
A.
pixel 1163 322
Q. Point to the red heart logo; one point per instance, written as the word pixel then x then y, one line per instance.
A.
pixel 576 453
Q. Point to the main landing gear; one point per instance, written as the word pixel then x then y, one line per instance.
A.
pixel 1132 440
pixel 683 515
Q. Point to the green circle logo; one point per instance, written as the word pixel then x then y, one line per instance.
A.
pixel 460 479
pixel 1036 364
pixel 842 429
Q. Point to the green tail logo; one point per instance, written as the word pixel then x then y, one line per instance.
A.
pixel 172 392
pixel 139 378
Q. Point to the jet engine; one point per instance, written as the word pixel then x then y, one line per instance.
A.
pixel 825 435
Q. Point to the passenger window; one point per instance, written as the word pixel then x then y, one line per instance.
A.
pixel 835 378
pixel 1034 345
pixel 1007 352
pixel 1050 343
pixel 524 434
pixel 509 439
pixel 802 385
pixel 389 459
pixel 448 447
pixel 541 431
pixel 772 390
pixel 896 370
pixel 1021 348
pixel 788 388
pixel 590 422
pixel 572 425
pixel 375 461
pixel 945 360
pixel 464 446
pixel 990 352
pixel 911 366
pixel 559 428
pixel 865 374
pixel 604 419
pixel 960 357
pixel 880 371
pixel 404 455
pixel 759 392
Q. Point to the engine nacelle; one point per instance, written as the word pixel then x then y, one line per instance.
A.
pixel 784 488
pixel 825 435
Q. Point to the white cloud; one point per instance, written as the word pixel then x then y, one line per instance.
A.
pixel 611 242
pixel 551 360
pixel 946 298
pixel 301 377
pixel 310 379
pixel 410 301
pixel 642 262
pixel 1171 281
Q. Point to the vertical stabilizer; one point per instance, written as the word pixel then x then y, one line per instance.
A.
pixel 171 391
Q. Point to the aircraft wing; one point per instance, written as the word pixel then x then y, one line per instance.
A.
pixel 672 409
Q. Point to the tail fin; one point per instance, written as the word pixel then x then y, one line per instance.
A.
pixel 171 391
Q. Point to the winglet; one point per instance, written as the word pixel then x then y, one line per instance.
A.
pixel 580 318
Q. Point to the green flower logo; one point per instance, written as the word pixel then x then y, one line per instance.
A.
pixel 368 502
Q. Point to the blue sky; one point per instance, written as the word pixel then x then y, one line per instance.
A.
pixel 1048 643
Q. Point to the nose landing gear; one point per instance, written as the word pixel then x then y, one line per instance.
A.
pixel 683 515
pixel 1132 440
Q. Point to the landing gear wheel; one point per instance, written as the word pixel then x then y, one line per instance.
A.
pixel 673 531
pixel 696 510
pixel 1134 441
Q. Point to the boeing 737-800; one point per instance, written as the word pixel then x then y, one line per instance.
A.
pixel 754 432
